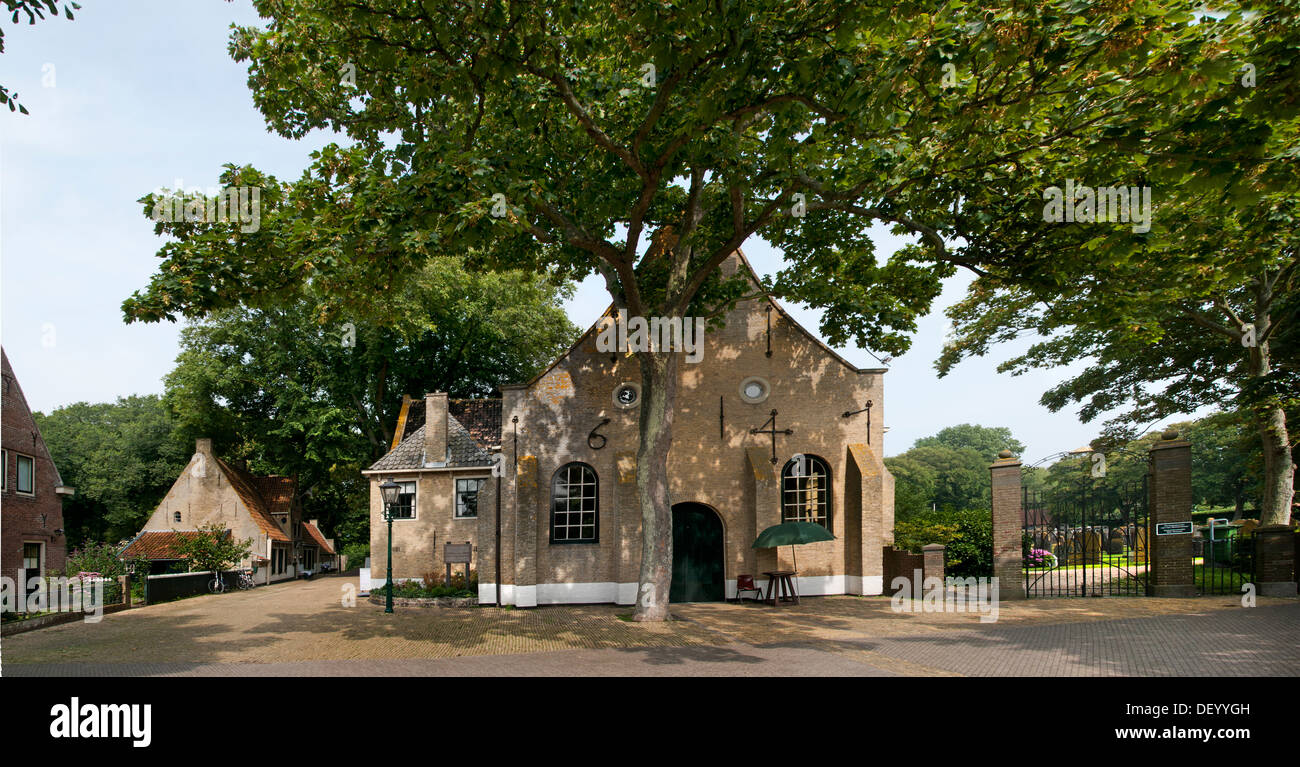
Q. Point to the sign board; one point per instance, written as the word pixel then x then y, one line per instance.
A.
pixel 458 553
pixel 1174 528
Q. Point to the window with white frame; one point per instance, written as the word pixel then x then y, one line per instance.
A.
pixel 26 480
pixel 467 497
pixel 806 491
pixel 405 506
pixel 575 505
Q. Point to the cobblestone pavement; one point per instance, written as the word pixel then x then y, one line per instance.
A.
pixel 303 628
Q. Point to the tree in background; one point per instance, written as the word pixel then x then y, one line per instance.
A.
pixel 121 456
pixel 987 441
pixel 317 400
pixel 948 471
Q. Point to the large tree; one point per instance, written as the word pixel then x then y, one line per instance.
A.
pixel 645 142
pixel 1191 313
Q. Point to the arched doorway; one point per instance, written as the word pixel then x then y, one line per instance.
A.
pixel 698 573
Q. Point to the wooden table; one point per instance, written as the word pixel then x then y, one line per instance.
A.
pixel 780 587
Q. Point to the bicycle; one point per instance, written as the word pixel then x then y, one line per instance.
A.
pixel 217 585
pixel 245 580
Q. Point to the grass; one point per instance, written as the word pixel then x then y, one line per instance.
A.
pixel 1218 579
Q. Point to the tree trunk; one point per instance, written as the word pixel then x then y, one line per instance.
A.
pixel 1279 469
pixel 658 397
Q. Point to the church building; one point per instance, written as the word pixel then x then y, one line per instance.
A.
pixel 771 425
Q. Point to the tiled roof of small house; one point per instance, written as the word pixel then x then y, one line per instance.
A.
pixel 246 486
pixel 480 417
pixel 462 450
pixel 157 544
pixel 312 535
pixel 277 492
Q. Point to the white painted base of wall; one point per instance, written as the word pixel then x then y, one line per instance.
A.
pixel 625 593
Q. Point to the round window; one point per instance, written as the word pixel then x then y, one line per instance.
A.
pixel 754 389
pixel 627 395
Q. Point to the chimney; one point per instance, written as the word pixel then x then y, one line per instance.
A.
pixel 203 445
pixel 435 427
pixel 315 523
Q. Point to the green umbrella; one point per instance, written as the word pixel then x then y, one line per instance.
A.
pixel 792 534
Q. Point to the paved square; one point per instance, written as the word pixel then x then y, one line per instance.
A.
pixel 303 628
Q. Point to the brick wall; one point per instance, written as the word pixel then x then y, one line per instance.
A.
pixel 714 460
pixel 35 517
pixel 1170 488
pixel 1008 559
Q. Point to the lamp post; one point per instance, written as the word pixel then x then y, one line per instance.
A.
pixel 389 490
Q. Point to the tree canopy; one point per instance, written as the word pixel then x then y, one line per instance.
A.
pixel 122 457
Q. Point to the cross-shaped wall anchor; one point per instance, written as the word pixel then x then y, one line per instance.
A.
pixel 773 431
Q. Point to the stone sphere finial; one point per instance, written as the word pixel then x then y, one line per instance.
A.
pixel 1004 454
pixel 1169 434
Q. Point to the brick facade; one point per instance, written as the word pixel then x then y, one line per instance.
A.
pixel 1008 556
pixel 1275 552
pixel 714 460
pixel 1170 488
pixel 35 517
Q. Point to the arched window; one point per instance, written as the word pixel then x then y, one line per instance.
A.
pixel 575 505
pixel 806 491
pixel 176 516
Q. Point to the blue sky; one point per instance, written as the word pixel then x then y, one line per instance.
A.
pixel 144 93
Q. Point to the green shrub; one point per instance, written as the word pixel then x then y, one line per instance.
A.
pixel 967 537
pixel 432 586
pixel 356 554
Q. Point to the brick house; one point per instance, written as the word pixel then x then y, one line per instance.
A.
pixel 264 509
pixel 569 524
pixel 31 531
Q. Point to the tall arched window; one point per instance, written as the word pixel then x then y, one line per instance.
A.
pixel 575 505
pixel 806 491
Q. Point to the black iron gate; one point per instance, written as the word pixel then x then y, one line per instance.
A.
pixel 1092 541
pixel 1223 560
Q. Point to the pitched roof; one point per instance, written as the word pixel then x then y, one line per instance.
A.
pixel 312 535
pixel 481 418
pixel 462 450
pixel 157 544
pixel 246 486
pixel 742 266
pixel 277 492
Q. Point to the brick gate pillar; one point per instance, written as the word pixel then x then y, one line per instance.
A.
pixel 1275 565
pixel 1007 524
pixel 1171 501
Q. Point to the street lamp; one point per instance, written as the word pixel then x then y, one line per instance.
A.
pixel 389 490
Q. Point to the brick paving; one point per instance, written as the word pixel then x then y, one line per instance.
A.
pixel 303 628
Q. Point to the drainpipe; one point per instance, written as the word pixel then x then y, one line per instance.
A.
pixel 498 541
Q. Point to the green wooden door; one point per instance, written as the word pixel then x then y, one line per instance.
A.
pixel 698 574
